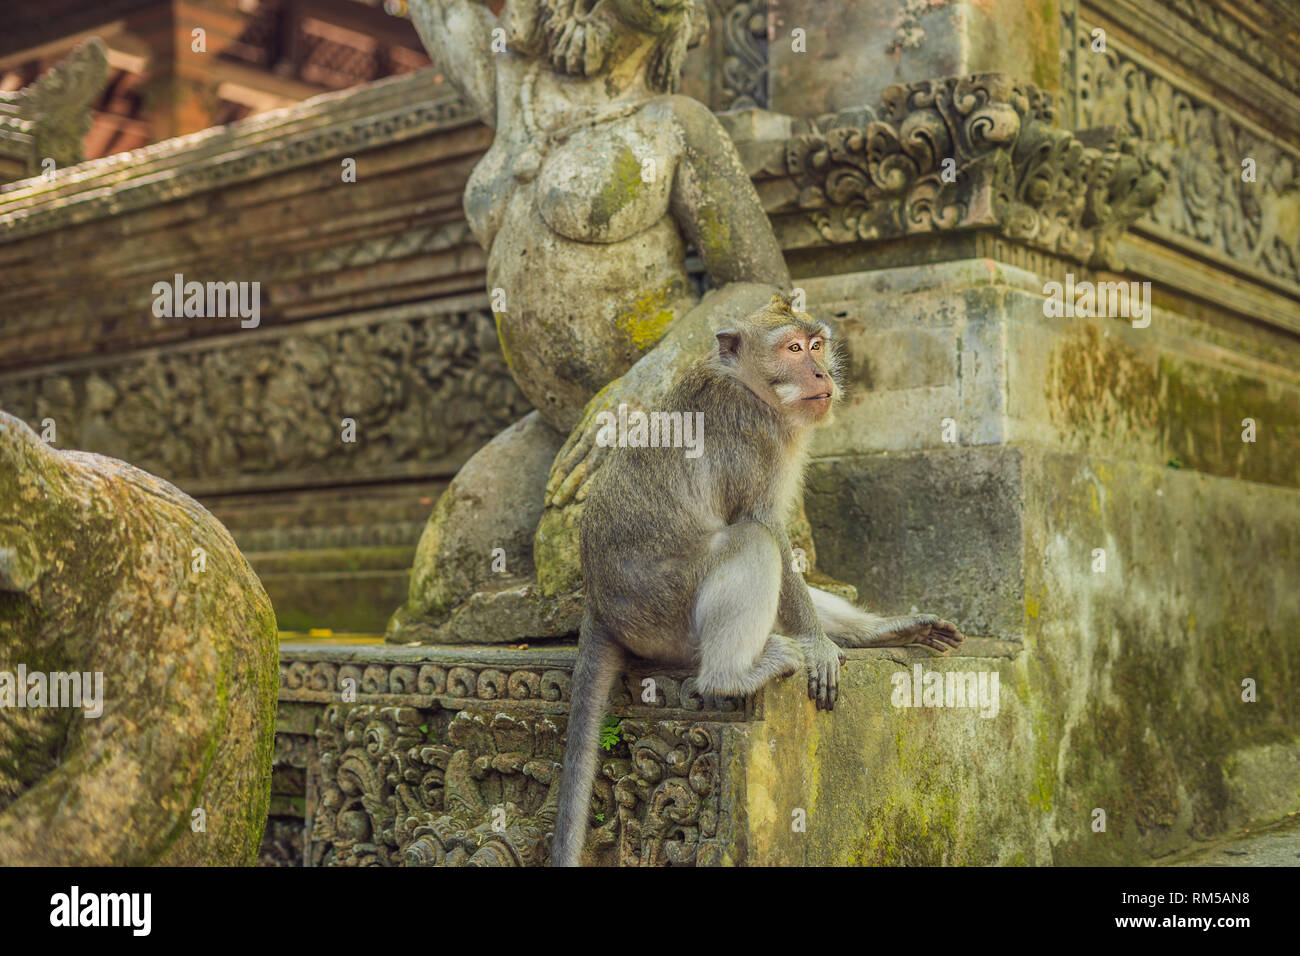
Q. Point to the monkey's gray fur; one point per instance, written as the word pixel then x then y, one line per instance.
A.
pixel 686 561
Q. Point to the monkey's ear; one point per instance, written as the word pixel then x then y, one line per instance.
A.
pixel 728 344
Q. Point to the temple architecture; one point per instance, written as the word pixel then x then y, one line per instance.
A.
pixel 1061 239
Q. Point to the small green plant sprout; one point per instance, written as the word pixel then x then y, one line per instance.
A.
pixel 609 733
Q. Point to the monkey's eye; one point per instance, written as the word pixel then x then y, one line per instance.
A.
pixel 816 345
pixel 795 347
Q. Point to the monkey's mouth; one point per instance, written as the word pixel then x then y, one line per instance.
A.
pixel 819 397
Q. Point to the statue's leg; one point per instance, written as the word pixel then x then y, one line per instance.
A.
pixel 472 581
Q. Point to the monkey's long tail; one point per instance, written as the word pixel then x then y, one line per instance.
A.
pixel 845 624
pixel 599 661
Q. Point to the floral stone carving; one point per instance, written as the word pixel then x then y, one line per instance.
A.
pixel 972 152
pixel 405 786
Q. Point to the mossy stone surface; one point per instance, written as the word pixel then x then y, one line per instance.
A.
pixel 98 575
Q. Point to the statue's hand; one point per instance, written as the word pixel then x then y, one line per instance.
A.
pixel 643 386
pixel 646 383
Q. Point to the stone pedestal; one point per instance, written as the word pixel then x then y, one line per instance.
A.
pixel 452 758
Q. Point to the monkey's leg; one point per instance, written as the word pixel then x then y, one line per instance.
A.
pixel 781 657
pixel 734 612
pixel 599 661
pixel 850 626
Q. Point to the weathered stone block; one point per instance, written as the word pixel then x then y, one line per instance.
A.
pixel 851 55
pixel 1137 671
pixel 938 530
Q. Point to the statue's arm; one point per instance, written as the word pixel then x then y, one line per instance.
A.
pixel 458 36
pixel 716 206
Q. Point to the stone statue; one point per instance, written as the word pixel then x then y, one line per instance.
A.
pixel 598 179
pixel 137 669
pixel 46 122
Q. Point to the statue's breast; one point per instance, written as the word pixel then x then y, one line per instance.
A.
pixel 604 185
pixel 486 192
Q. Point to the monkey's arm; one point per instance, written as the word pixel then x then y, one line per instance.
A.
pixel 716 205
pixel 128 783
pixel 796 618
pixel 458 36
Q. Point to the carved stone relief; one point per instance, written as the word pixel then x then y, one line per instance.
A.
pixel 744 44
pixel 1229 32
pixel 401 786
pixel 458 684
pixel 49 119
pixel 419 391
pixel 1200 150
pixel 968 152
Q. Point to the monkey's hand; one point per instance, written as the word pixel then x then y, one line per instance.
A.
pixel 822 661
pixel 924 629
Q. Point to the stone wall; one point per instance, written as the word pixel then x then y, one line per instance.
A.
pixel 373 309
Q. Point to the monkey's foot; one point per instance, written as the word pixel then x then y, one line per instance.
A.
pixel 823 666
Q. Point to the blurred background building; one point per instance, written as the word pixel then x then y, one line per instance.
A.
pixel 162 80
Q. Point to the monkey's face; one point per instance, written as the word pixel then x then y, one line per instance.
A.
pixel 799 371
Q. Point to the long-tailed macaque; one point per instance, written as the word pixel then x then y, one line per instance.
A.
pixel 686 561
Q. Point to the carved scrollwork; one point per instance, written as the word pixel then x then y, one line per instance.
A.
pixel 432 679
pixel 744 52
pixel 290 750
pixel 969 152
pixel 481 682
pixel 50 118
pixel 1246 211
pixel 667 804
pixel 392 793
pixel 423 390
